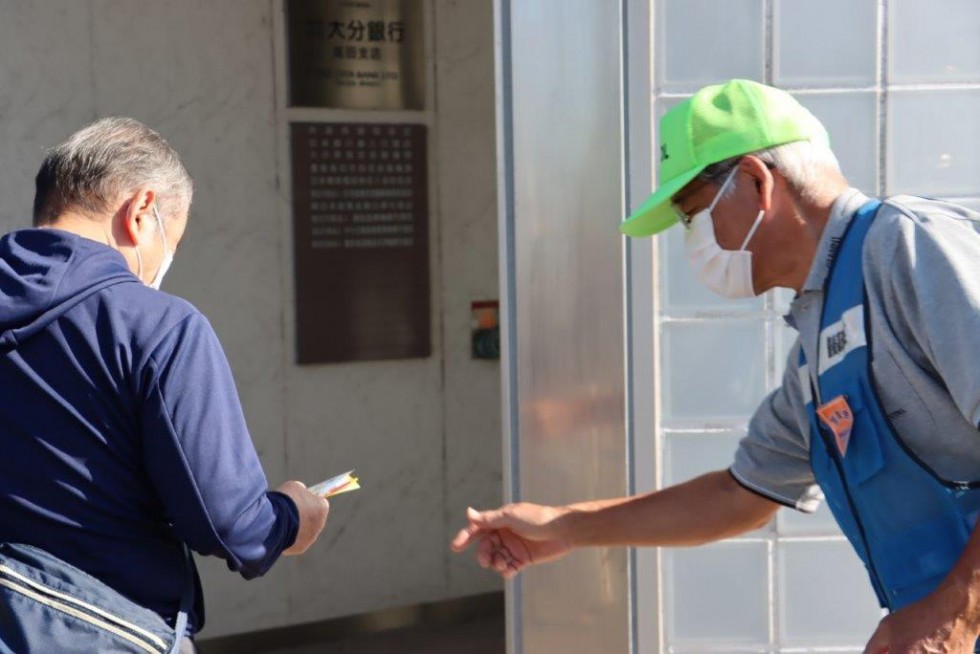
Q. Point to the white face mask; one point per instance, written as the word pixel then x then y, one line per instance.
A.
pixel 726 272
pixel 168 256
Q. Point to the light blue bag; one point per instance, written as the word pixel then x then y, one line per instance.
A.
pixel 48 606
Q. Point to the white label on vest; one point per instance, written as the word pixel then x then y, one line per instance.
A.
pixel 841 338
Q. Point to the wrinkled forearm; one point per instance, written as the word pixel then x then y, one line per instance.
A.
pixel 959 594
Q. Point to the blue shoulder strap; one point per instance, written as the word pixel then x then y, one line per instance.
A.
pixel 846 268
pixel 842 322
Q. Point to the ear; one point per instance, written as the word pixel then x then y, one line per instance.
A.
pixel 763 180
pixel 136 215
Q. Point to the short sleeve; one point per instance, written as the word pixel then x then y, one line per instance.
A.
pixel 773 460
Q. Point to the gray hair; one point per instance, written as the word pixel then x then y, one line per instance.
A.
pixel 110 157
pixel 802 163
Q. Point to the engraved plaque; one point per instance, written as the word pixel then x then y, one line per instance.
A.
pixel 356 54
pixel 361 241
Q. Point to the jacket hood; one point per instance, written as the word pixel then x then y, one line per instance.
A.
pixel 44 273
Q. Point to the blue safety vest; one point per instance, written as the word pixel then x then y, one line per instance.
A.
pixel 907 524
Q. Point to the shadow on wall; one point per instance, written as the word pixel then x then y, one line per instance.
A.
pixel 474 625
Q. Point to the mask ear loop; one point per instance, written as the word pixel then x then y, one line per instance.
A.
pixel 721 191
pixel 755 226
pixel 163 233
pixel 139 262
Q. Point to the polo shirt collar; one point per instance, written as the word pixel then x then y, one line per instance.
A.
pixel 841 213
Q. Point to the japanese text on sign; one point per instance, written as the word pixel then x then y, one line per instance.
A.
pixel 361 241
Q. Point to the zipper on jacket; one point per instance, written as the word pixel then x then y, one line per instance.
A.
pixel 82 610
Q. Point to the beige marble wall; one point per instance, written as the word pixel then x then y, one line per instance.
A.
pixel 423 434
pixel 468 208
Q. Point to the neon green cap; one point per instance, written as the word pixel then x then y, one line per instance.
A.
pixel 718 123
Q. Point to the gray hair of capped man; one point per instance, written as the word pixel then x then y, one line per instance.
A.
pixel 101 163
pixel 802 163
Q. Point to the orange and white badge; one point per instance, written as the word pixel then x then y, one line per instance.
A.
pixel 839 418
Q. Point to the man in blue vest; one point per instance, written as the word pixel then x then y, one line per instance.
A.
pixel 879 409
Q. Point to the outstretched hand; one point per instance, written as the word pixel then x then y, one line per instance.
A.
pixel 513 537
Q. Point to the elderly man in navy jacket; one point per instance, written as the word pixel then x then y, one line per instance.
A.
pixel 123 436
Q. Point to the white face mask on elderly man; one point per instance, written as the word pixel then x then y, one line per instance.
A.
pixel 168 256
pixel 726 272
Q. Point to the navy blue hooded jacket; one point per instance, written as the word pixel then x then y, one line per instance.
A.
pixel 121 432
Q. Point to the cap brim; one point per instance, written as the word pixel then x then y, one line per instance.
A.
pixel 655 215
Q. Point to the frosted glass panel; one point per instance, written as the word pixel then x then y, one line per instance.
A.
pixel 782 300
pixel 713 369
pixel 684 293
pixel 687 456
pixel 806 55
pixel 717 595
pixel 665 104
pixel 705 41
pixel 717 358
pixel 932 143
pixel 825 595
pixel 790 522
pixel 851 120
pixel 785 339
pixel 934 41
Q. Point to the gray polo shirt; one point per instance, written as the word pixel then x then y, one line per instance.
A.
pixel 922 274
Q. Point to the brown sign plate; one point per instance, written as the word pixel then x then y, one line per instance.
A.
pixel 356 54
pixel 361 241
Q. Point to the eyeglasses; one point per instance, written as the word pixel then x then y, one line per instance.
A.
pixel 722 177
pixel 682 217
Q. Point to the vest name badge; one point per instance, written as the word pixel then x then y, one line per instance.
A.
pixel 839 419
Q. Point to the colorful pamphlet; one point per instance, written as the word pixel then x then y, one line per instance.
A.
pixel 343 483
